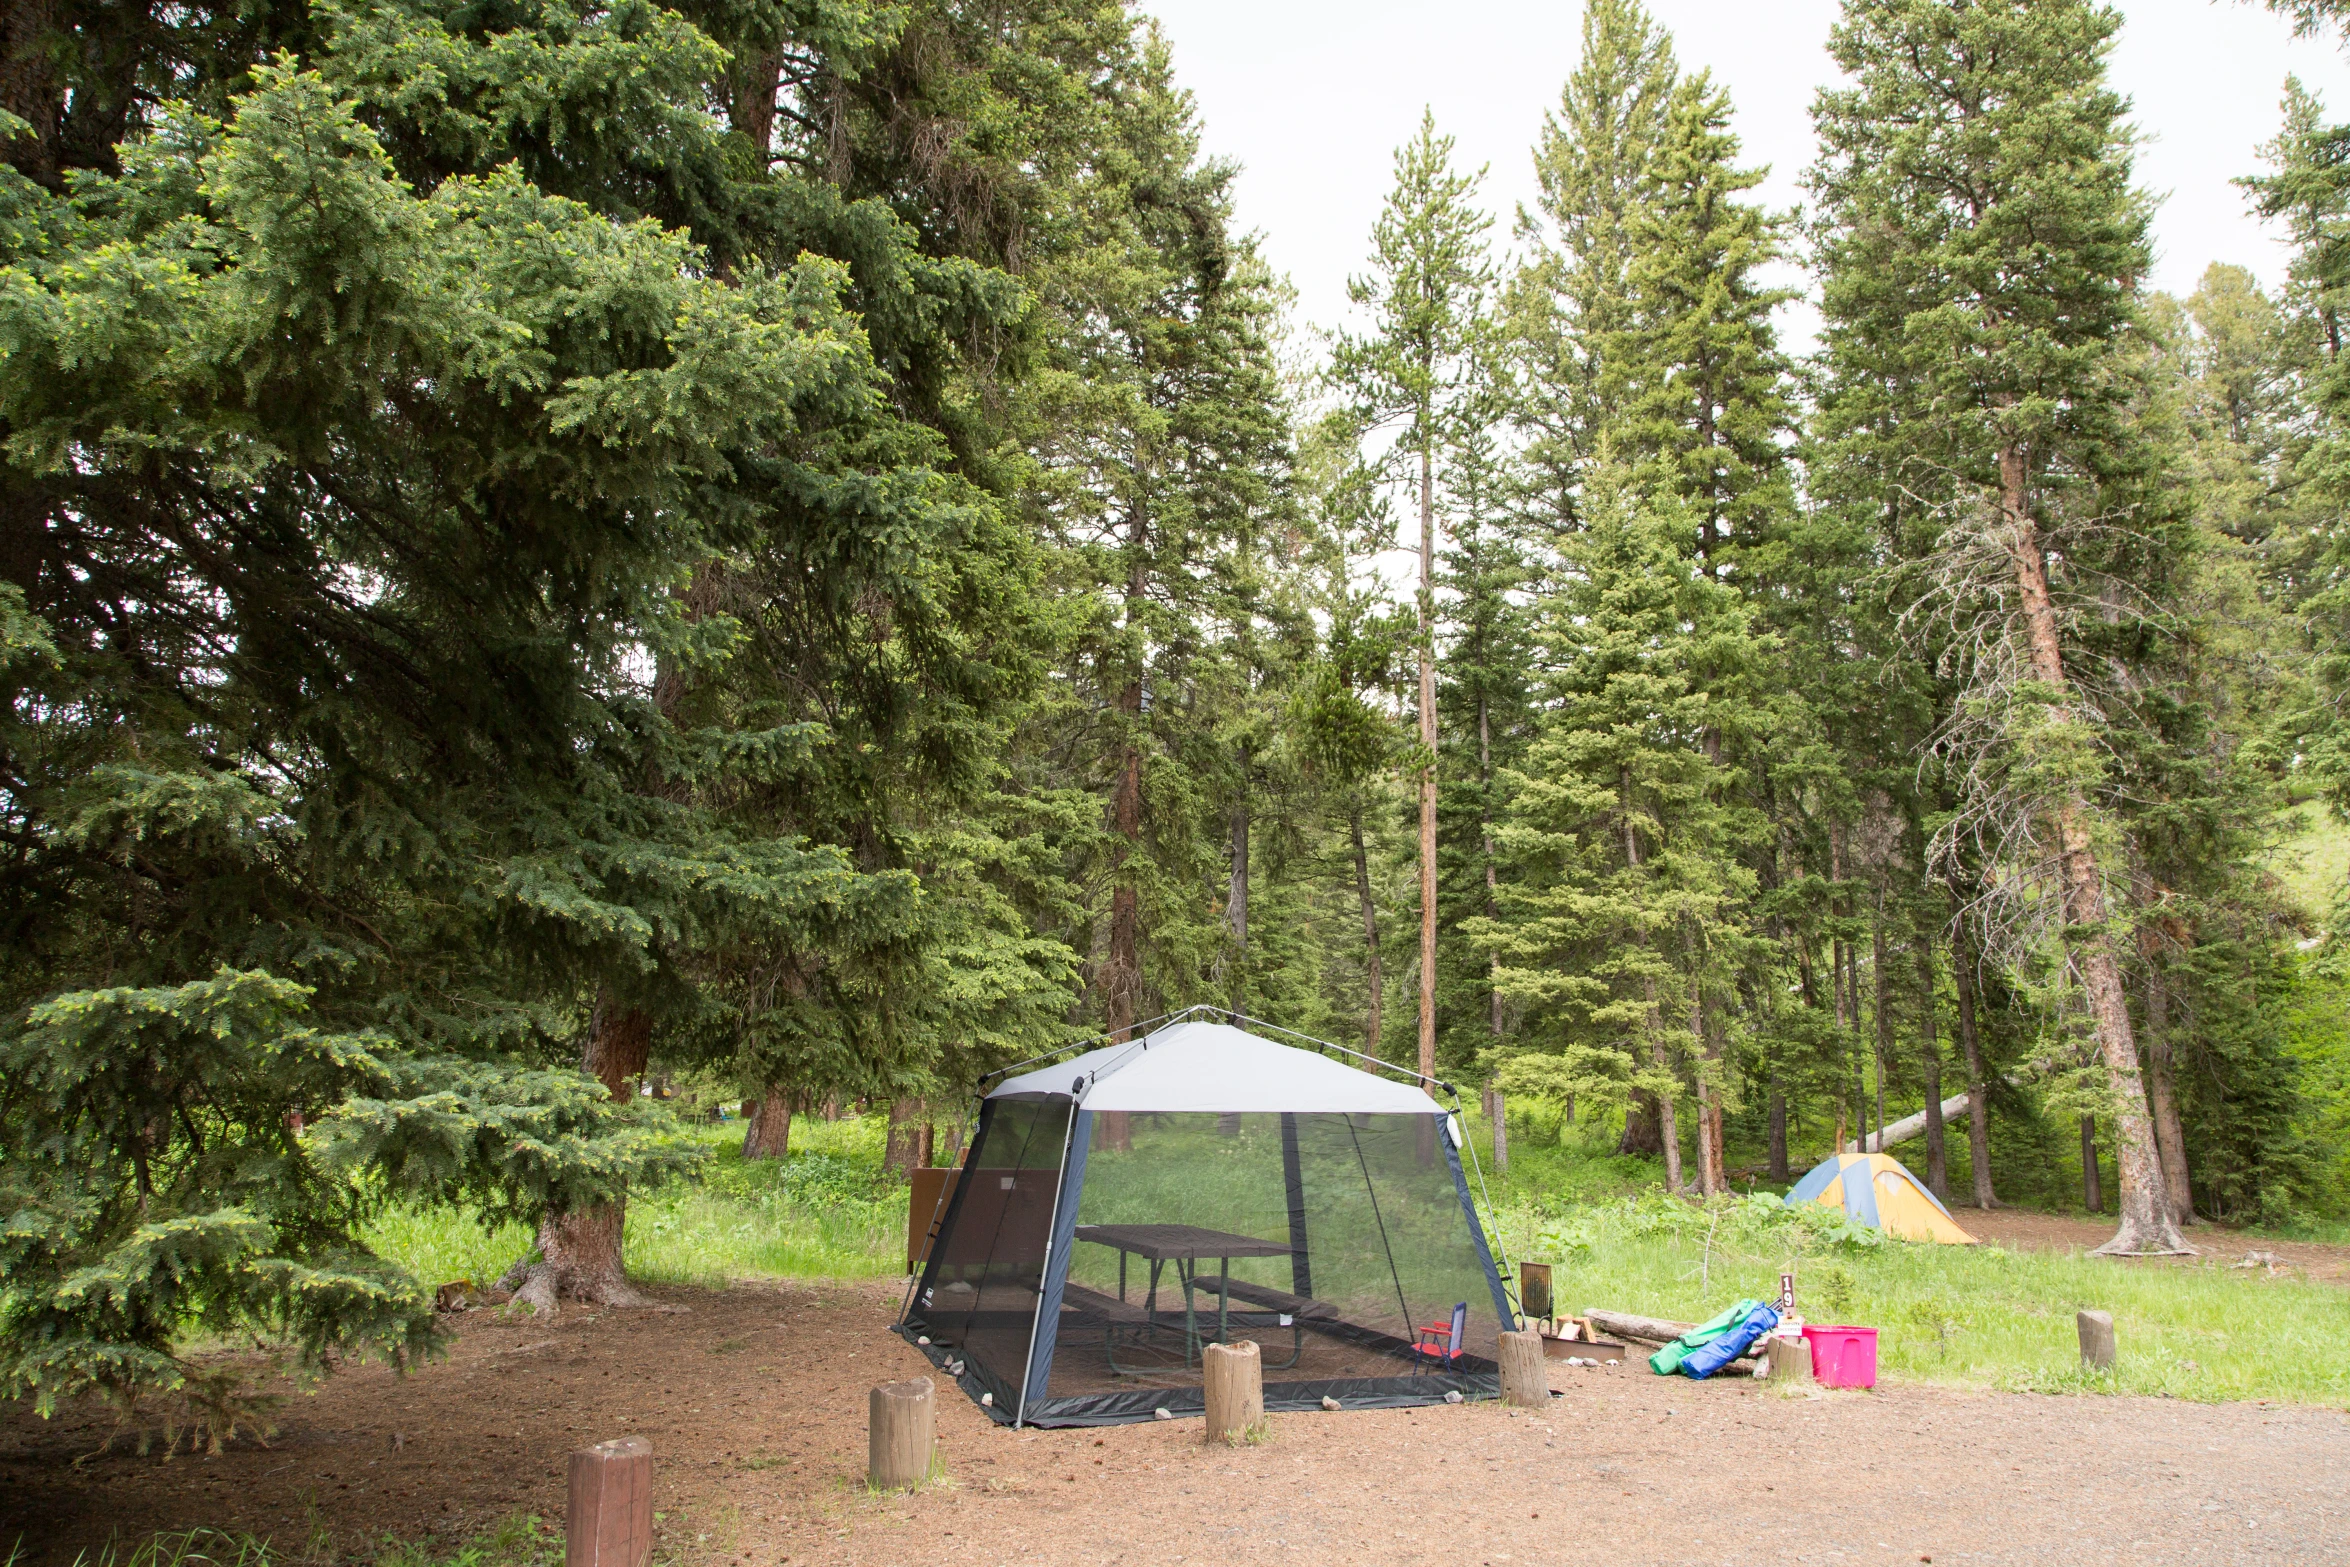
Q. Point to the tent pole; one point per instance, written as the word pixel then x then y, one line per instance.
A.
pixel 1020 1412
pixel 1493 1229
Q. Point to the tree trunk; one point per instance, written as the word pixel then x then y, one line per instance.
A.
pixel 1930 1061
pixel 2091 1198
pixel 1883 978
pixel 1500 1114
pixel 1485 842
pixel 2146 1224
pixel 2170 1136
pixel 1711 1176
pixel 31 45
pixel 1373 983
pixel 1428 772
pixel 768 1136
pixel 1236 900
pixel 1978 1113
pixel 908 1145
pixel 1778 1130
pixel 1122 970
pixel 579 1250
pixel 1643 1125
pixel 1668 1128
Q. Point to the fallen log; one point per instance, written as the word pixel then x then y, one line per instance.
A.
pixel 1653 1330
pixel 1625 1325
pixel 1907 1127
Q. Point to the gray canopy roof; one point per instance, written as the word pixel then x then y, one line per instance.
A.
pixel 1214 1067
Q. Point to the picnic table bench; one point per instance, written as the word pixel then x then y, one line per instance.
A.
pixel 1183 1245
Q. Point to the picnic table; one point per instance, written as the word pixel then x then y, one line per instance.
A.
pixel 1184 1245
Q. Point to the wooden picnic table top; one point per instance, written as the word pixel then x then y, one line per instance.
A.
pixel 1162 1241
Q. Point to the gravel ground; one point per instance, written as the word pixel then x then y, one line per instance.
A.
pixel 754 1401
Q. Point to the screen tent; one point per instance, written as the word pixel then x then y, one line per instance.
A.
pixel 1124 1208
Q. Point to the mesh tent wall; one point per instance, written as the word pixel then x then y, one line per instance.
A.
pixel 1120 1210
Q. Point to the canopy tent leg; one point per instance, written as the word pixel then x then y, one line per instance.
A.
pixel 1044 1329
pixel 1301 1267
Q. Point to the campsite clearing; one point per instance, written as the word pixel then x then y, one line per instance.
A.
pixel 755 1399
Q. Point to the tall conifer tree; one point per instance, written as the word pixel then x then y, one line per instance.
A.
pixel 1426 297
pixel 1981 248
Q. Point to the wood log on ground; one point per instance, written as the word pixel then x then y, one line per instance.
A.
pixel 1654 1330
pixel 1525 1382
pixel 1907 1127
pixel 901 1424
pixel 2097 1345
pixel 1234 1381
pixel 1624 1324
pixel 608 1521
pixel 1789 1360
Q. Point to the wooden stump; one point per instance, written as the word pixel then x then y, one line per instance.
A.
pixel 1525 1381
pixel 1789 1360
pixel 900 1421
pixel 1235 1385
pixel 2096 1329
pixel 609 1519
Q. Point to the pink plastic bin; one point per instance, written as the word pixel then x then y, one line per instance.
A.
pixel 1843 1357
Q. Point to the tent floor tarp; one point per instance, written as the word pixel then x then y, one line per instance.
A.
pixel 1128 1400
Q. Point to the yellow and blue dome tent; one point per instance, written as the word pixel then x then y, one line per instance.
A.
pixel 1878 1189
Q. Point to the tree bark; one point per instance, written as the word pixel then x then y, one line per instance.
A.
pixel 908 1146
pixel 1643 1125
pixel 579 1250
pixel 1373 983
pixel 1428 772
pixel 2162 1094
pixel 1500 1114
pixel 1485 841
pixel 1668 1130
pixel 1711 1176
pixel 1882 977
pixel 1930 1062
pixel 2091 1198
pixel 768 1136
pixel 1978 1111
pixel 1236 900
pixel 1778 1130
pixel 2146 1224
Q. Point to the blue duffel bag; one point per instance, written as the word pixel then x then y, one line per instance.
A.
pixel 1706 1359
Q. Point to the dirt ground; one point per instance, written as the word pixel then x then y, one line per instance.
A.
pixel 754 1400
pixel 2020 1231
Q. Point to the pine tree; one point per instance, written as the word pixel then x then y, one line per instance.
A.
pixel 1164 443
pixel 1981 247
pixel 1692 380
pixel 1426 296
pixel 1593 160
pixel 1623 916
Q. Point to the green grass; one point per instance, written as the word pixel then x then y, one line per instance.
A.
pixel 826 1212
pixel 520 1541
pixel 1967 1316
pixel 1963 1316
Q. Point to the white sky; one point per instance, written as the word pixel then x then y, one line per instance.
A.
pixel 1312 97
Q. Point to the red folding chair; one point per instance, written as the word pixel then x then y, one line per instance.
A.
pixel 1441 1344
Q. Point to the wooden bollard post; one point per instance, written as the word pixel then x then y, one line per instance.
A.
pixel 1234 1378
pixel 1525 1381
pixel 1788 1359
pixel 609 1519
pixel 899 1433
pixel 2096 1330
